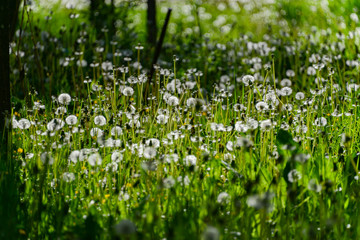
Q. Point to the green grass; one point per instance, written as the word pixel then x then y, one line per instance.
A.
pixel 269 162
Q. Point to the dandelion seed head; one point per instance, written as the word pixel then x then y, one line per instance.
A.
pixel 149 165
pixel 94 159
pixel 354 17
pixel 266 125
pixel 71 120
pixel 116 156
pixel 285 83
pixel 162 119
pixel 64 98
pixel 241 127
pixel 169 158
pixel 294 176
pixel 150 152
pixel 60 111
pixel 116 131
pixel 74 156
pixel 290 73
pixel 173 101
pixel 190 160
pixel 252 123
pixel 223 198
pixel 107 66
pixel 99 120
pixel 128 91
pixel 299 96
pixel 169 182
pixel 68 177
pixel 311 71
pixel 55 124
pixel 262 106
pixel 24 123
pixel 248 79
pixel 321 122
pixel 286 91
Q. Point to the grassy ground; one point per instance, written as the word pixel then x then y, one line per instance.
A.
pixel 249 130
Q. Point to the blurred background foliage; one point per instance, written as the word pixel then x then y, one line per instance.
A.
pixel 202 34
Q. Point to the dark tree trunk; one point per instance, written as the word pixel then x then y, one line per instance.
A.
pixel 6 17
pixel 111 19
pixel 8 189
pixel 157 54
pixel 103 15
pixel 94 7
pixel 151 22
pixel 95 13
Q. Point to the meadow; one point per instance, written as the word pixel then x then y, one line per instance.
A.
pixel 247 130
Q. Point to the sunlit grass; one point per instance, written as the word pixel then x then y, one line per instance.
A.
pixel 243 136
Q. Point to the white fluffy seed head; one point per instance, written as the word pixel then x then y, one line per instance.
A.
pixel 100 120
pixel 64 98
pixel 71 120
pixel 95 159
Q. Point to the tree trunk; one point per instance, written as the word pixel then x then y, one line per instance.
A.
pixel 95 13
pixel 5 108
pixel 151 22
pixel 8 190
